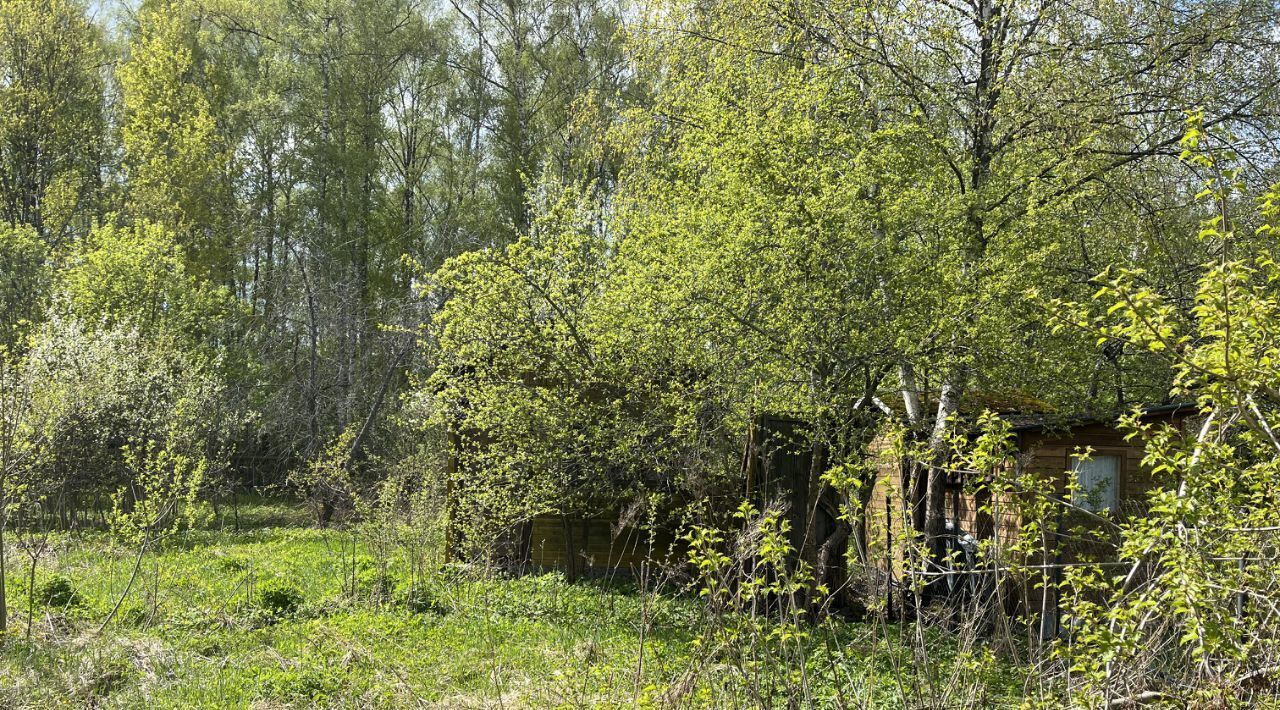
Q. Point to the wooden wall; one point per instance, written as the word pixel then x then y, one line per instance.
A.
pixel 593 547
pixel 1044 452
pixel 777 468
pixel 778 472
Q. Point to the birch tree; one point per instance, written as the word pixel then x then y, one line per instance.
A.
pixel 968 142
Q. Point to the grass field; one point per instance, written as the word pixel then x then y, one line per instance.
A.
pixel 280 614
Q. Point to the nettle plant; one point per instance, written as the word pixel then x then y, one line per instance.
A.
pixel 1196 601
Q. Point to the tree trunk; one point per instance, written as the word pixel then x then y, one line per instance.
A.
pixel 936 482
pixel 861 545
pixel 910 390
pixel 808 548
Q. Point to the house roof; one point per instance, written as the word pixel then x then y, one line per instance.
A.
pixel 1024 422
pixel 1030 421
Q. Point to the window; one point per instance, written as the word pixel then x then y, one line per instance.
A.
pixel 1097 480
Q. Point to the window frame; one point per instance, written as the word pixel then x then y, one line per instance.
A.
pixel 1119 488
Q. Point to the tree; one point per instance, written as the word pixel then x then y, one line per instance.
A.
pixel 531 70
pixel 25 276
pixel 549 410
pixel 961 143
pixel 132 338
pixel 51 117
pixel 1198 587
pixel 139 277
pixel 297 151
pixel 175 158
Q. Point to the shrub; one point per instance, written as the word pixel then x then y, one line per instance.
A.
pixel 279 598
pixel 58 592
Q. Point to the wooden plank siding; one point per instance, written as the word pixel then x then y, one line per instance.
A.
pixel 777 471
pixel 594 547
pixel 1046 453
pixel 779 468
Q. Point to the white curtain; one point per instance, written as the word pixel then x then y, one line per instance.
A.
pixel 1096 482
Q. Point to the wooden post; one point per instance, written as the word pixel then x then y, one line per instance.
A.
pixel 570 563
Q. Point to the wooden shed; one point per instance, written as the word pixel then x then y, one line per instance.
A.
pixel 1080 496
pixel 612 543
pixel 1111 479
pixel 777 469
pixel 599 546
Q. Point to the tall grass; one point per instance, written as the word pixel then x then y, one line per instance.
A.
pixel 278 614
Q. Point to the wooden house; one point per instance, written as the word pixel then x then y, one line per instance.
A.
pixel 1112 478
pixel 1079 498
pixel 777 468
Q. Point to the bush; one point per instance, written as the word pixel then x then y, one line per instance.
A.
pixel 58 592
pixel 279 598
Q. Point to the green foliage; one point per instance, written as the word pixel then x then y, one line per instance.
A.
pixel 115 403
pixel 423 601
pixel 279 599
pixel 327 481
pixel 164 478
pixel 552 409
pixel 816 208
pixel 58 592
pixel 173 153
pixel 52 127
pixel 757 597
pixel 25 277
pixel 1196 561
pixel 138 277
pixel 224 221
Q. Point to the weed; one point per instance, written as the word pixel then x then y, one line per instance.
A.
pixel 279 598
pixel 58 591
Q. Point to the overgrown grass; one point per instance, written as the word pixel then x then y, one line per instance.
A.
pixel 269 617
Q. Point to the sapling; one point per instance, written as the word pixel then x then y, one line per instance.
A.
pixel 326 481
pixel 22 439
pixel 166 477
pixel 35 543
pixel 13 403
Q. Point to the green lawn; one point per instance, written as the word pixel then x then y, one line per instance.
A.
pixel 204 626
